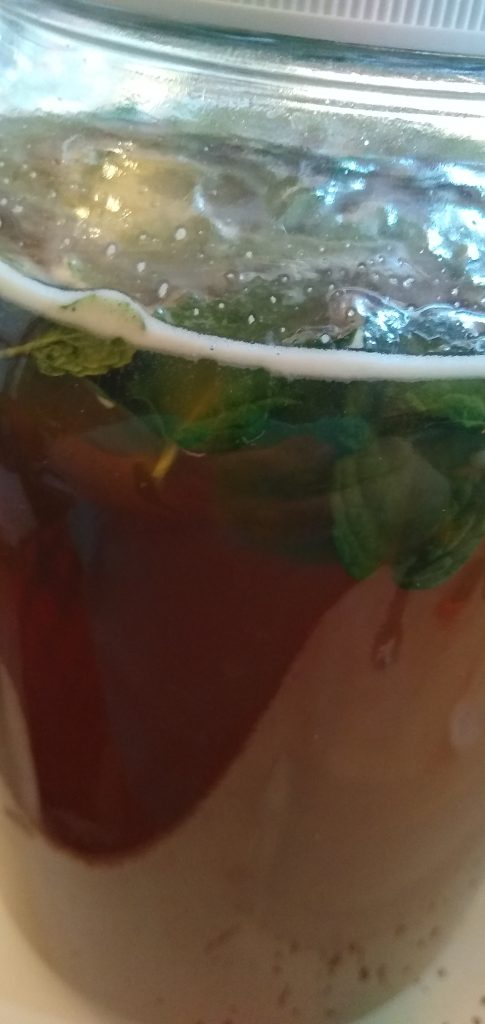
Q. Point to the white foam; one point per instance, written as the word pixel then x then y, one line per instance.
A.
pixel 109 314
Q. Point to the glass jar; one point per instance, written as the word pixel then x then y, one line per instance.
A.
pixel 242 509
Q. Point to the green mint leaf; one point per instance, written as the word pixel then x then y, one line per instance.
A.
pixel 459 402
pixel 386 501
pixel 64 350
pixel 453 542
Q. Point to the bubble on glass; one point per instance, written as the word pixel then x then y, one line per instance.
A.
pixel 110 250
pixel 163 289
pixel 180 234
pixel 141 266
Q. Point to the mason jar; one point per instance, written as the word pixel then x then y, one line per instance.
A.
pixel 242 500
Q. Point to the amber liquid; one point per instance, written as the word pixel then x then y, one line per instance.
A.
pixel 160 624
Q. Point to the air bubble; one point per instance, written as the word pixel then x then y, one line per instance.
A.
pixel 274 300
pixel 110 250
pixel 17 208
pixel 162 291
pixel 180 234
pixel 141 266
pixel 251 319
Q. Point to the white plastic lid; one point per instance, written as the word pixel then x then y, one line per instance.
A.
pixel 443 26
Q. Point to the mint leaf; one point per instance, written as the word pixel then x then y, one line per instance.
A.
pixel 460 402
pixel 453 542
pixel 386 501
pixel 64 350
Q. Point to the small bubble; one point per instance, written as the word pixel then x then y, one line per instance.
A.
pixel 351 314
pixel 282 330
pixel 249 254
pixel 33 174
pixel 221 305
pixel 251 319
pixel 162 291
pixel 380 258
pixel 180 234
pixel 454 292
pixel 273 299
pixel 110 250
pixel 4 202
pixel 196 311
pixel 141 266
pixel 408 283
pixel 6 181
pixel 393 280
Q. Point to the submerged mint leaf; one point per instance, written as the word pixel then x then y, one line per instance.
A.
pixel 452 544
pixel 64 350
pixel 459 402
pixel 386 501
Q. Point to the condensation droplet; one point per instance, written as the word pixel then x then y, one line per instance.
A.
pixel 221 305
pixel 180 234
pixel 251 319
pixel 273 299
pixel 249 254
pixel 196 311
pixel 162 291
pixel 110 250
pixel 408 283
pixel 141 266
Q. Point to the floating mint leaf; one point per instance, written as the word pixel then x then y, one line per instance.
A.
pixel 386 501
pixel 63 350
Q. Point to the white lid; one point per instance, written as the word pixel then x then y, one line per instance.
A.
pixel 446 26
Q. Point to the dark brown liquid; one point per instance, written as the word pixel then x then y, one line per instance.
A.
pixel 145 635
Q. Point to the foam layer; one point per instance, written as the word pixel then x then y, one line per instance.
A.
pixel 109 314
